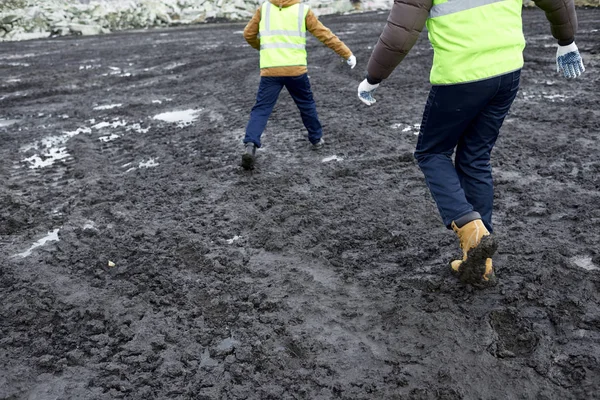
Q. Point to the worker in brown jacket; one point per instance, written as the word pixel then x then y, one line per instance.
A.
pixel 478 55
pixel 278 30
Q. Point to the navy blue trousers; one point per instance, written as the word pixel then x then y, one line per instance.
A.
pixel 467 118
pixel 268 92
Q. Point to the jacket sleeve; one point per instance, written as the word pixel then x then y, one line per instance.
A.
pixel 562 17
pixel 325 36
pixel 404 24
pixel 251 31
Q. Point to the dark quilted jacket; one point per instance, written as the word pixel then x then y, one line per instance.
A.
pixel 407 19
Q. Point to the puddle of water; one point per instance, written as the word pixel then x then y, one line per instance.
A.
pixel 107 106
pixel 227 344
pixel 182 118
pixel 50 237
pixel 407 127
pixel 584 262
pixel 148 164
pixel 108 138
pixel 105 124
pixel 206 360
pixel 234 239
pixel 332 158
pixel 7 122
pixel 54 149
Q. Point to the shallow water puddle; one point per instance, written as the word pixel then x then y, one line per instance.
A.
pixel 50 237
pixel 181 118
pixel 234 239
pixel 584 262
pixel 7 122
pixel 414 128
pixel 332 158
pixel 107 106
pixel 148 164
pixel 54 149
pixel 108 138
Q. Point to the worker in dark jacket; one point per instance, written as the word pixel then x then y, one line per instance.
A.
pixel 478 55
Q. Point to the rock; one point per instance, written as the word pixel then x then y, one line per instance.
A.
pixel 86 30
pixel 9 19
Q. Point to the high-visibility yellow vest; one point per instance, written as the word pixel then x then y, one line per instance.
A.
pixel 282 33
pixel 475 39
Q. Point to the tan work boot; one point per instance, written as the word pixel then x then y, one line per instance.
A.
pixel 478 247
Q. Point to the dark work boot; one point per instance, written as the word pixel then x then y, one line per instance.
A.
pixel 249 156
pixel 319 145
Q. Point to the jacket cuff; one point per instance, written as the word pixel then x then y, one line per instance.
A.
pixel 566 42
pixel 373 81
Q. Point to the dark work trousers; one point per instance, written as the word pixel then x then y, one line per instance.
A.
pixel 268 92
pixel 466 117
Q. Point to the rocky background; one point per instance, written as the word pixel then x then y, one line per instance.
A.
pixel 33 19
pixel 30 19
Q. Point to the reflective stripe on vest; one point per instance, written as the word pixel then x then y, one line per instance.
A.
pixel 282 33
pixel 453 6
pixel 475 39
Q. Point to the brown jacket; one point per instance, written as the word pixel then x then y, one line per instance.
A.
pixel 407 19
pixel 313 25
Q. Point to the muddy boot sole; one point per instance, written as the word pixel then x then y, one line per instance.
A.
pixel 472 270
pixel 247 162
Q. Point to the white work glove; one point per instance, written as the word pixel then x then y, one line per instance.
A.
pixel 365 92
pixel 351 61
pixel 568 61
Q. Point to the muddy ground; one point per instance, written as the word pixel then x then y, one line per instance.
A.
pixel 316 276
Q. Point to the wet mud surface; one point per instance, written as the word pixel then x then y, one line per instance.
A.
pixel 138 260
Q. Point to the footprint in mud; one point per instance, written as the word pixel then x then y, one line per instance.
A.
pixel 568 370
pixel 516 337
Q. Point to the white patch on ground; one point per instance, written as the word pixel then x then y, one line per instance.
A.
pixel 584 262
pixel 7 122
pixel 414 128
pixel 13 80
pixel 181 118
pixel 156 102
pixel 108 138
pixel 114 124
pixel 90 225
pixel 54 149
pixel 332 158
pixel 234 239
pixel 15 64
pixel 16 56
pixel 238 32
pixel 148 164
pixel 553 97
pixel 107 106
pixel 174 65
pixel 137 128
pixel 50 237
